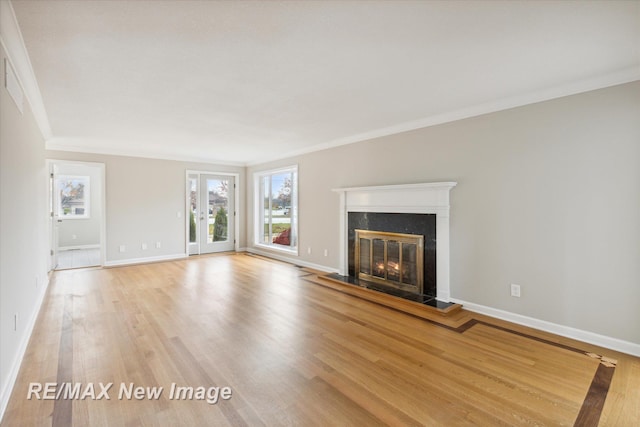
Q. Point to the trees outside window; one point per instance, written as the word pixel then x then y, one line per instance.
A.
pixel 73 196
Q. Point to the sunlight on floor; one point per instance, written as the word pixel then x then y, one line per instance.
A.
pixel 78 258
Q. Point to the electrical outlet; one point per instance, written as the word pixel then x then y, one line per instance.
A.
pixel 179 214
pixel 326 252
pixel 158 245
pixel 144 246
pixel 309 250
pixel 74 237
pixel 123 248
pixel 515 290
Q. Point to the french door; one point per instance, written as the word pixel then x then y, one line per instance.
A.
pixel 212 216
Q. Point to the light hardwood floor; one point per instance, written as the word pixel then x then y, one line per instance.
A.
pixel 296 353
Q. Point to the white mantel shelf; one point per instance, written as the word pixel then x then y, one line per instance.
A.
pixel 426 198
pixel 447 185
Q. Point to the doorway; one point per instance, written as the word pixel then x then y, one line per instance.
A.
pixel 76 211
pixel 211 206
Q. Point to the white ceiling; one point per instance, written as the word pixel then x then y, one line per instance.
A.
pixel 245 82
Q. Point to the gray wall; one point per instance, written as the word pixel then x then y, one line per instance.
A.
pixel 143 198
pixel 548 197
pixel 24 235
pixel 85 230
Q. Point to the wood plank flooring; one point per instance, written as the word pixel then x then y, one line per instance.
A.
pixel 296 353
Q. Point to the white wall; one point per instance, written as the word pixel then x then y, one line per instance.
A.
pixel 548 197
pixel 82 231
pixel 143 200
pixel 23 233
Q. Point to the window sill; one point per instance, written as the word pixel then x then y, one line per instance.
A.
pixel 281 249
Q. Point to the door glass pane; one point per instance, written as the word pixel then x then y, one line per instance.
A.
pixel 393 261
pixel 217 210
pixel 365 262
pixel 193 205
pixel 378 258
pixel 409 262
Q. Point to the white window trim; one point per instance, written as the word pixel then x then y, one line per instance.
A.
pixel 257 191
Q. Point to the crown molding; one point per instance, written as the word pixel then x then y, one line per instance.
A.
pixel 13 44
pixel 626 75
pixel 71 145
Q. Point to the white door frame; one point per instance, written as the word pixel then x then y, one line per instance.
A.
pixel 236 217
pixel 103 207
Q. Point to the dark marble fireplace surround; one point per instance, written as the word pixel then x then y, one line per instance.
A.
pixel 406 223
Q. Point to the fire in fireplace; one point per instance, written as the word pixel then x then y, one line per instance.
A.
pixel 392 259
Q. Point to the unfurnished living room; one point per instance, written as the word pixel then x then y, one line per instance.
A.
pixel 244 213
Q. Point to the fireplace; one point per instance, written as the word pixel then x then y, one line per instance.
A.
pixel 410 209
pixel 392 259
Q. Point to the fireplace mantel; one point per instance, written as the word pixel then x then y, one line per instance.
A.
pixel 426 198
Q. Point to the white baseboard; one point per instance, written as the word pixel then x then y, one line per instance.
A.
pixel 133 261
pixel 73 248
pixel 291 260
pixel 5 394
pixel 562 330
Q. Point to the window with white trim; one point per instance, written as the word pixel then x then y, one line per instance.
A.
pixel 73 196
pixel 277 209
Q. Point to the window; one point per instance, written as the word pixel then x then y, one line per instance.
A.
pixel 73 196
pixel 277 209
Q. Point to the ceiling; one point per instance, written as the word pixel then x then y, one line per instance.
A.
pixel 246 82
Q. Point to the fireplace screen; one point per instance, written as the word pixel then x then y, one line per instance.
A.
pixel 393 259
